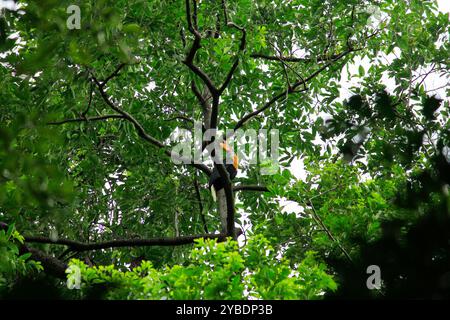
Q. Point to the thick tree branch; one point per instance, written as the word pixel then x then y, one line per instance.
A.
pixel 189 61
pixel 199 72
pixel 230 231
pixel 225 14
pixel 191 28
pixel 215 92
pixel 81 246
pixel 195 15
pixel 52 265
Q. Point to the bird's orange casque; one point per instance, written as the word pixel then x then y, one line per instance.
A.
pixel 227 148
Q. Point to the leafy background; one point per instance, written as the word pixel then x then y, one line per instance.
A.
pixel 364 149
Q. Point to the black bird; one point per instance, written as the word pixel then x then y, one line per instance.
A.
pixel 216 182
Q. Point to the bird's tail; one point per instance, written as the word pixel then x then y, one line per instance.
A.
pixel 213 193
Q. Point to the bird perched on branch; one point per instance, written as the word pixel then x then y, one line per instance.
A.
pixel 216 182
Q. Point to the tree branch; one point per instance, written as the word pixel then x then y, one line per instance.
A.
pixel 191 28
pixel 112 75
pixel 320 222
pixel 250 188
pixel 140 130
pixel 236 62
pixel 225 14
pixel 189 61
pixel 200 204
pixel 180 117
pixel 81 246
pixel 198 95
pixel 99 118
pixel 128 117
pixel 230 231
pixel 293 59
pixel 91 91
pixel 288 91
pixel 52 265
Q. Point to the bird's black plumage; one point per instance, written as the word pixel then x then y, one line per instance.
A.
pixel 217 181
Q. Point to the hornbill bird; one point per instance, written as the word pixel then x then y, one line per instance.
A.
pixel 216 182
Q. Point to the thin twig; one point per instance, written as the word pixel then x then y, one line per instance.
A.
pixel 200 204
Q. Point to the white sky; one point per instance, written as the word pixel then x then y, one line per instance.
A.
pixel 444 5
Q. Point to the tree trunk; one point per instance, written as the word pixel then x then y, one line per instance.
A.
pixel 222 208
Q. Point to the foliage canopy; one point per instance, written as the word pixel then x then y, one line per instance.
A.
pixel 87 184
